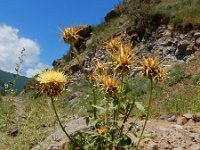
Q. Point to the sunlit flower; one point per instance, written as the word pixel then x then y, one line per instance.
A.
pixel 113 45
pixel 102 130
pixel 122 56
pixel 123 60
pixel 108 84
pixel 70 35
pixel 51 82
pixel 100 68
pixel 151 69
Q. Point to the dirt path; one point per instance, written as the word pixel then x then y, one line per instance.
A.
pixel 169 135
pixel 19 107
pixel 160 135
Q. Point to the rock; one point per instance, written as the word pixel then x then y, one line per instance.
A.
pixel 84 31
pixel 164 117
pixel 130 30
pixel 168 33
pixel 197 41
pixel 181 120
pixel 188 116
pixel 183 44
pixel 13 131
pixel 195 137
pixel 196 117
pixel 112 14
pixel 59 62
pixel 58 139
pixel 167 42
pixel 153 146
pixel 74 68
pixel 196 35
pixel 73 96
pixel 172 119
pixel 181 51
pixel 177 127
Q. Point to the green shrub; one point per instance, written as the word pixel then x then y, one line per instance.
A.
pixel 176 20
pixel 175 75
pixel 195 79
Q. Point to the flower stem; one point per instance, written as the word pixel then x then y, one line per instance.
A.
pixel 94 102
pixel 106 122
pixel 147 116
pixel 57 117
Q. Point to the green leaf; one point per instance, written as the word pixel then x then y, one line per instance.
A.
pixel 140 107
pixel 93 123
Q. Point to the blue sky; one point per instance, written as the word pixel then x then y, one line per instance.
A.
pixel 37 21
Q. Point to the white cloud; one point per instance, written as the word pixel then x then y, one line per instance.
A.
pixel 11 45
pixel 33 71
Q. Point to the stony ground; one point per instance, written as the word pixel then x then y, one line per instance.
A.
pixel 171 133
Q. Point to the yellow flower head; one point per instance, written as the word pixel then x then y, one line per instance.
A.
pixel 151 69
pixel 113 45
pixel 70 35
pixel 51 82
pixel 100 68
pixel 123 60
pixel 108 84
pixel 102 130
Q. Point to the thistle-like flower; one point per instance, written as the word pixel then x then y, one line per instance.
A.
pixel 51 82
pixel 108 84
pixel 102 130
pixel 70 36
pixel 100 68
pixel 123 60
pixel 122 56
pixel 113 45
pixel 151 69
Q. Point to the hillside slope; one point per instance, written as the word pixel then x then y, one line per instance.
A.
pixel 151 28
pixel 7 78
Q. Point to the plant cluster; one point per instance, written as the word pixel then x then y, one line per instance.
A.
pixel 107 126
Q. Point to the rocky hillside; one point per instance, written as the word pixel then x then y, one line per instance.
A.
pixel 151 29
pixel 154 32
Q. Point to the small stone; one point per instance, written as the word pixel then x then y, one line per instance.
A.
pixel 181 120
pixel 177 126
pixel 196 117
pixel 172 119
pixel 181 36
pixel 197 41
pixel 164 117
pixel 188 116
pixel 178 148
pixel 183 44
pixel 196 35
pixel 13 132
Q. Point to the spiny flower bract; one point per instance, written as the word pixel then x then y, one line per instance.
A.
pixel 151 69
pixel 113 45
pixel 70 36
pixel 108 84
pixel 123 60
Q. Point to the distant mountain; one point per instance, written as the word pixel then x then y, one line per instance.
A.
pixel 8 78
